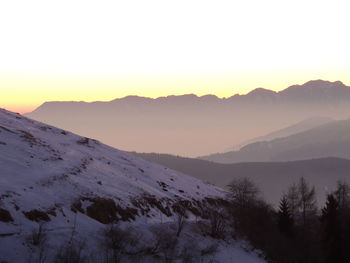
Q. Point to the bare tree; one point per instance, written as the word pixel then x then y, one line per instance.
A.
pixel 71 253
pixel 293 199
pixel 217 224
pixel 119 244
pixel 73 250
pixel 166 243
pixel 242 191
pixel 38 239
pixel 38 235
pixel 190 252
pixel 342 194
pixel 180 220
pixel 113 243
pixel 307 201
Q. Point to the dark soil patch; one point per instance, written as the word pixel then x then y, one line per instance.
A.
pixel 102 210
pixel 5 216
pixel 37 215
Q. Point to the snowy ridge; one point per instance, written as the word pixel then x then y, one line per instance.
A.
pixel 65 166
pixel 53 176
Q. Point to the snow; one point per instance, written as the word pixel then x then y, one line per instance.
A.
pixel 46 168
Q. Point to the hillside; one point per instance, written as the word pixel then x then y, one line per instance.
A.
pixel 298 127
pixel 74 186
pixel 273 178
pixel 189 125
pixel 328 140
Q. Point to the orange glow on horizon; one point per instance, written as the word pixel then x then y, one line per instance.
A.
pixel 143 48
pixel 25 93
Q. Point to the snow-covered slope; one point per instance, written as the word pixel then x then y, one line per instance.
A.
pixel 49 159
pixel 53 176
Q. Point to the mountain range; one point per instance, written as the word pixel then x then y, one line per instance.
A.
pixel 327 140
pixel 189 125
pixel 301 126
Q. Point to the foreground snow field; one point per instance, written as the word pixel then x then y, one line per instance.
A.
pixel 71 187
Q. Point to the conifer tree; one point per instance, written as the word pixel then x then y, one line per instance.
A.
pixel 331 236
pixel 285 219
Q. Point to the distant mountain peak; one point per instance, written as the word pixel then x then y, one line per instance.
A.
pixel 319 83
pixel 132 98
pixel 184 96
pixel 209 96
pixel 261 91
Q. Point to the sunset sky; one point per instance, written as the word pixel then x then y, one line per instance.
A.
pixel 101 50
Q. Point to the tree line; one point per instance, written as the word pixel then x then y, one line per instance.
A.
pixel 296 231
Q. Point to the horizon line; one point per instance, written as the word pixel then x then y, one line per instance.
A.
pixel 29 109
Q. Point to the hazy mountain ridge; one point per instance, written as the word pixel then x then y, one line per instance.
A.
pixel 307 91
pixel 327 140
pixel 64 181
pixel 301 126
pixel 273 178
pixel 198 125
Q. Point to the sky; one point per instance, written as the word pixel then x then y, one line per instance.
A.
pixel 102 50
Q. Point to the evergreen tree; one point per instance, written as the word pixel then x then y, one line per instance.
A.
pixel 285 218
pixel 342 195
pixel 331 236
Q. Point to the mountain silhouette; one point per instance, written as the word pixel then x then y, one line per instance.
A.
pixel 327 140
pixel 301 126
pixel 192 125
